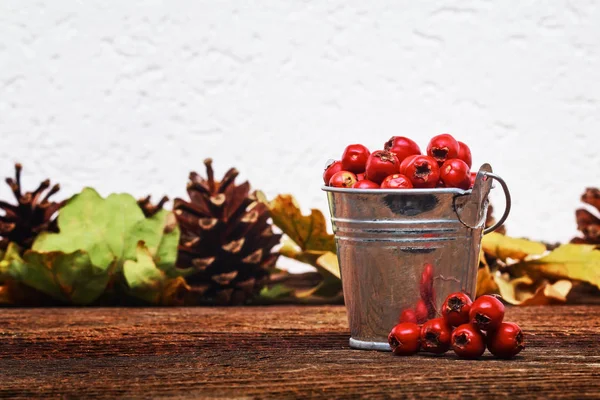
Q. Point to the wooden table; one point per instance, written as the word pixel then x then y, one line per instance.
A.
pixel 277 352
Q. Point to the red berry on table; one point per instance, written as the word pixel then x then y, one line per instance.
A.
pixel 404 339
pixel 343 179
pixel 408 315
pixel 423 172
pixel 468 342
pixel 456 173
pixel 355 158
pixel 486 313
pixel 421 311
pixel 402 147
pixel 455 309
pixel 506 341
pixel 435 336
pixel 442 147
pixel 406 162
pixel 365 184
pixel 380 164
pixel 396 181
pixel 330 170
pixel 464 153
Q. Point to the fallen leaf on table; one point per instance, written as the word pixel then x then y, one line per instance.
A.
pixel 485 282
pixel 504 247
pixel 526 292
pixel 570 261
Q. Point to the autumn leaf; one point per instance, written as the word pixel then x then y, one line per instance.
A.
pixel 570 261
pixel 504 247
pixel 485 282
pixel 525 291
pixel 309 232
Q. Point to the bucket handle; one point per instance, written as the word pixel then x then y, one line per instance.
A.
pixel 499 223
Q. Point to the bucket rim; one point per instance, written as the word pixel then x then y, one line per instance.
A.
pixel 396 191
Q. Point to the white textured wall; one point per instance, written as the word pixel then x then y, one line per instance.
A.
pixel 131 95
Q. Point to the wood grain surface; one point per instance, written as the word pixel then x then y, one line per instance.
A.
pixel 276 352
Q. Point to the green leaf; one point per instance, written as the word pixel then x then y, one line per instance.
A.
pixel 109 230
pixel 277 291
pixel 569 261
pixel 70 277
pixel 149 283
pixel 503 247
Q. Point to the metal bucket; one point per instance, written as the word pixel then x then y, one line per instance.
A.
pixel 385 238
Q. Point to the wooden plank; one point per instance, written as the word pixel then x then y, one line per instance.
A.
pixel 276 352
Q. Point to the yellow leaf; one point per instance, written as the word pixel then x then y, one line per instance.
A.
pixel 503 247
pixel 525 292
pixel 309 232
pixel 485 282
pixel 570 261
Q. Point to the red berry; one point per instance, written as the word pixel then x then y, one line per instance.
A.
pixel 343 179
pixel 506 341
pixel 402 147
pixel 468 342
pixel 442 147
pixel 355 158
pixel 408 315
pixel 406 162
pixel 360 177
pixel 421 311
pixel 365 184
pixel 423 172
pixel 464 153
pixel 473 177
pixel 455 309
pixel 380 164
pixel 435 336
pixel 456 173
pixel 440 184
pixel 404 339
pixel 486 313
pixel 330 170
pixel 396 181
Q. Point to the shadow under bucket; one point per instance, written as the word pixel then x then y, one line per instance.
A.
pixel 385 237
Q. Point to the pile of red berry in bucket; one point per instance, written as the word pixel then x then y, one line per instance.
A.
pixel 465 326
pixel 401 165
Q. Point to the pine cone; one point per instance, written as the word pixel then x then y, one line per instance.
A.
pixel 226 237
pixel 587 223
pixel 150 209
pixel 33 214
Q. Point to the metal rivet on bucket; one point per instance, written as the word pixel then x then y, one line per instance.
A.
pixel 384 238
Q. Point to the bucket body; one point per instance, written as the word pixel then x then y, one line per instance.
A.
pixel 385 240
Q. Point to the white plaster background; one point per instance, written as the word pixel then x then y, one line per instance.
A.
pixel 132 95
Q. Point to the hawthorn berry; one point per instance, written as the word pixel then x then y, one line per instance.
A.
pixel 396 181
pixel 355 158
pixel 404 339
pixel 456 173
pixel 343 179
pixel 464 153
pixel 506 341
pixel 455 309
pixel 423 172
pixel 406 162
pixel 330 170
pixel 486 313
pixel 435 336
pixel 365 184
pixel 468 342
pixel 442 147
pixel 402 147
pixel 380 164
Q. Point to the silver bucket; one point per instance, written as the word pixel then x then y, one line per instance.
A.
pixel 385 238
